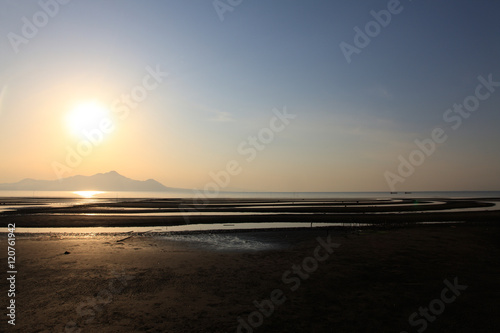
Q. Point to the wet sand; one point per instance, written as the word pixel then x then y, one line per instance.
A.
pixel 185 211
pixel 373 281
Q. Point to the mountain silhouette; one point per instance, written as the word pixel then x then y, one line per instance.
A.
pixel 110 181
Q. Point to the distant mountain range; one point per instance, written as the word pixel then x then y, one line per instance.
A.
pixel 110 181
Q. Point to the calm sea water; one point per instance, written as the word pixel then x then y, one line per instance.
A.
pixel 261 195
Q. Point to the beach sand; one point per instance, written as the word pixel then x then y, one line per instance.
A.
pixel 372 282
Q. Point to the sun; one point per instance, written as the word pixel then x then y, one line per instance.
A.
pixel 86 116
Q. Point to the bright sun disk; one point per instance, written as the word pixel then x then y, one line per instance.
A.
pixel 86 116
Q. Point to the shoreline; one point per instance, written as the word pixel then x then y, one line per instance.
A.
pixel 68 221
pixel 124 214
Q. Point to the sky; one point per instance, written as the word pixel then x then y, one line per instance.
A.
pixel 280 95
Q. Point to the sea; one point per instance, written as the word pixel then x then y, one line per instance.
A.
pixel 250 195
pixel 209 238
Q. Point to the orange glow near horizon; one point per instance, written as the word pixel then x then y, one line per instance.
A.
pixel 88 194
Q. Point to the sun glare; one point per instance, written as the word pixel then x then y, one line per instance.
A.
pixel 88 194
pixel 86 116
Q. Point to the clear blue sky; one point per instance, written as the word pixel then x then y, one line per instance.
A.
pixel 353 120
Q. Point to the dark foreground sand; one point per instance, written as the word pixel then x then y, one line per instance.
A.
pixel 373 282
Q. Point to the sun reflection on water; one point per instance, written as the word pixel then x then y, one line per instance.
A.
pixel 88 194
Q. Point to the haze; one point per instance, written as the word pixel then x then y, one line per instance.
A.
pixel 177 90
